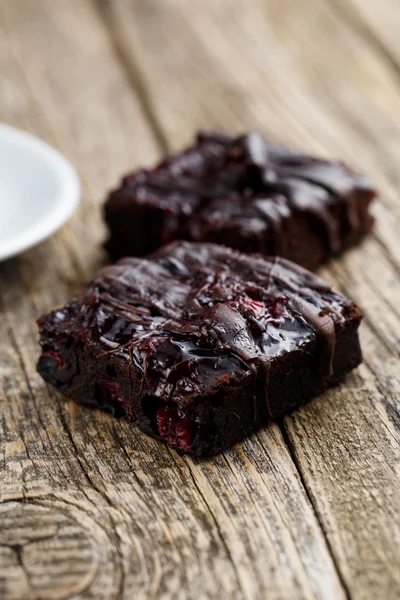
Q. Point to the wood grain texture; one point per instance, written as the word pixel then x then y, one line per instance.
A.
pixel 90 508
pixel 378 22
pixel 303 73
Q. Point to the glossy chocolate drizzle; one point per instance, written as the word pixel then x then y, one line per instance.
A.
pixel 194 316
pixel 252 184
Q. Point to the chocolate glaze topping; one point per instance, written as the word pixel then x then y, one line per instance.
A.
pixel 193 314
pixel 250 187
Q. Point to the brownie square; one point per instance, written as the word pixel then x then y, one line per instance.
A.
pixel 243 192
pixel 199 345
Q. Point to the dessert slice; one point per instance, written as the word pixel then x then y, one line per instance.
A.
pixel 199 345
pixel 246 193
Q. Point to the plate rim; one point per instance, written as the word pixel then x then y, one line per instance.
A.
pixel 65 203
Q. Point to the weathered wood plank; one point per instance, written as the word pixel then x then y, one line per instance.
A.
pixel 119 514
pixel 302 74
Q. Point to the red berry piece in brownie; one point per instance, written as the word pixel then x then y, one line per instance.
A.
pixel 199 345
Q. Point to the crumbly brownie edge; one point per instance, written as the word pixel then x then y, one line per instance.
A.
pixel 212 423
pixel 137 228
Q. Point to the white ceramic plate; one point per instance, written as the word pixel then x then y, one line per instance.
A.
pixel 39 190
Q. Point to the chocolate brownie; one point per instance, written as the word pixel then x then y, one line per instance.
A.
pixel 246 193
pixel 200 345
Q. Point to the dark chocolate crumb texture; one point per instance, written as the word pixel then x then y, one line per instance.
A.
pixel 200 345
pixel 246 193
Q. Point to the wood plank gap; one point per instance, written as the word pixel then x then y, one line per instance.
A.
pixel 391 409
pixel 102 494
pixel 214 519
pixel 132 72
pixel 386 252
pixel 292 452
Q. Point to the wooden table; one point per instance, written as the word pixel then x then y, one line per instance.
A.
pixel 308 508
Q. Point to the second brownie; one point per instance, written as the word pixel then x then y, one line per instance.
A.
pixel 243 192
